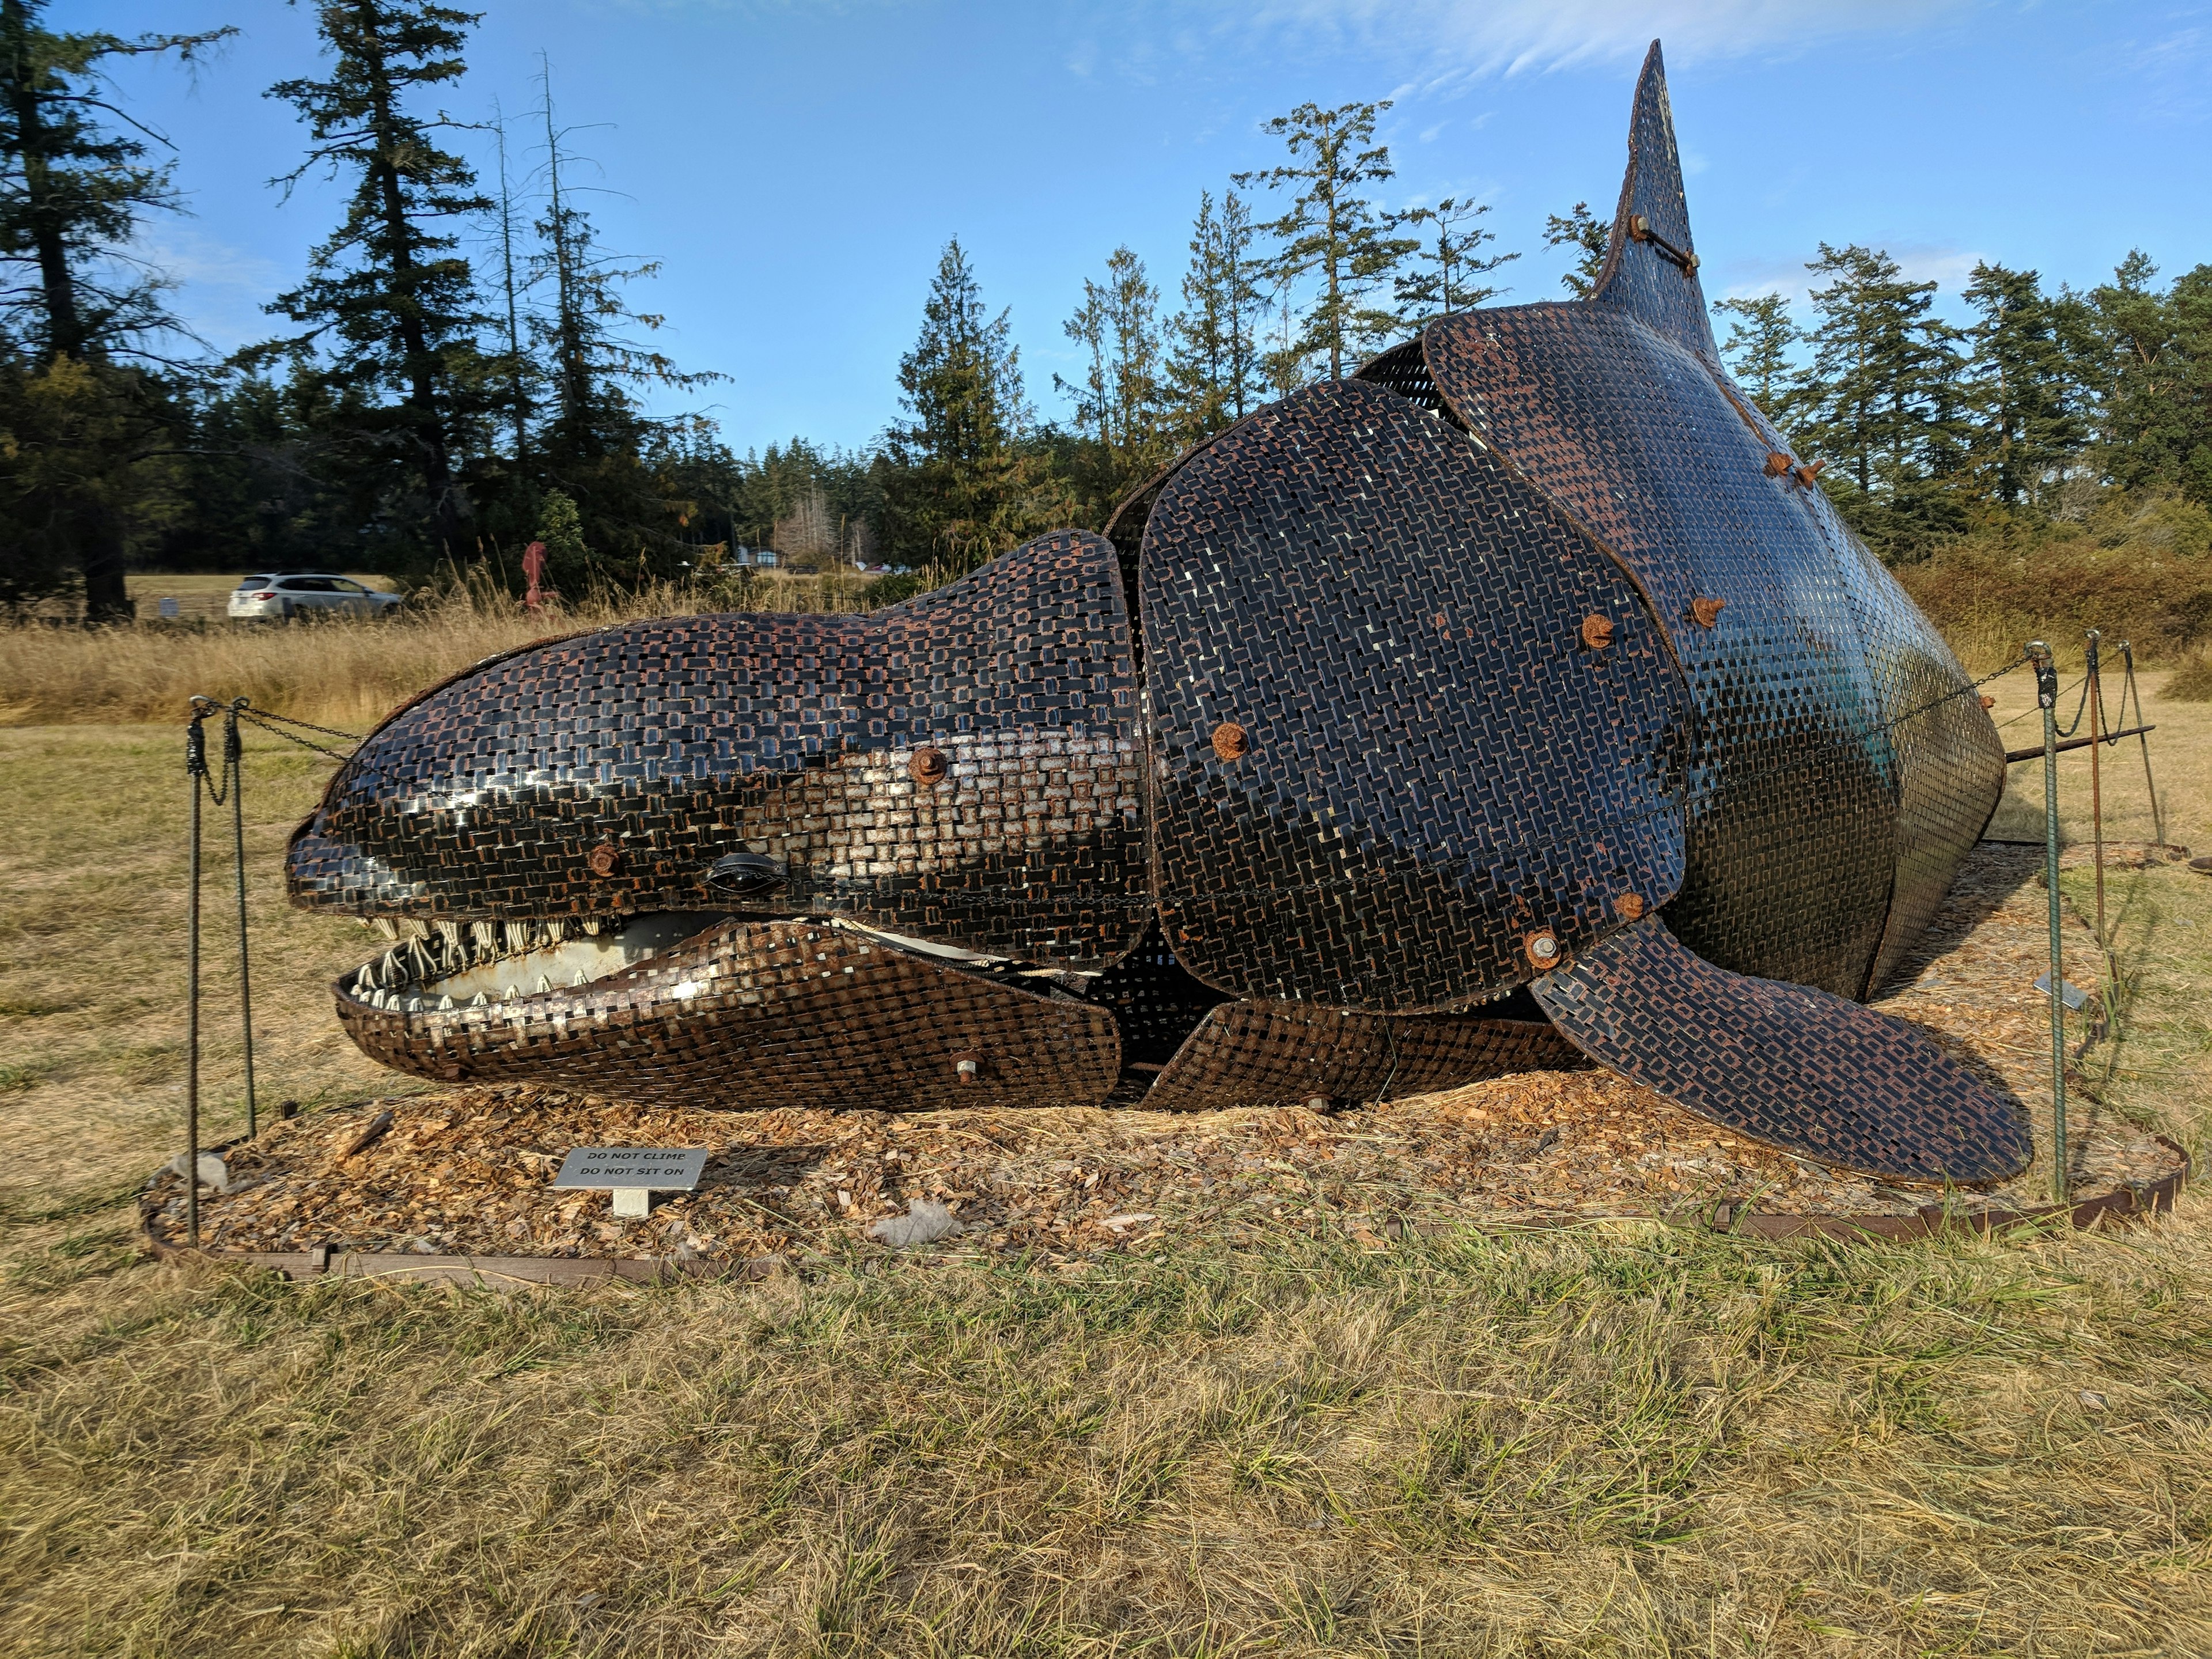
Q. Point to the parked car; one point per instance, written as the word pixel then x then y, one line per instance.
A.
pixel 285 594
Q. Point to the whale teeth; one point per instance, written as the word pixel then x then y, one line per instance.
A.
pixel 544 985
pixel 511 995
pixel 484 935
pixel 445 1004
pixel 582 978
pixel 591 927
pixel 479 1001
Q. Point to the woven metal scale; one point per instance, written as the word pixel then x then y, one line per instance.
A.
pixel 1519 701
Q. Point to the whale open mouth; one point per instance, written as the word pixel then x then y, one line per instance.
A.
pixel 435 966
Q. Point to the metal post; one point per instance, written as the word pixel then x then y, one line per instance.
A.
pixel 233 762
pixel 2157 817
pixel 2096 687
pixel 2046 694
pixel 194 773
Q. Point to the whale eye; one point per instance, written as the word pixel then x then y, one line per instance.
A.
pixel 746 872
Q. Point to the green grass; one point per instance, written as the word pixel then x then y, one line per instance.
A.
pixel 1536 1446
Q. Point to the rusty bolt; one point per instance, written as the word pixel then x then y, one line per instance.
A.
pixel 967 1067
pixel 927 766
pixel 1989 702
pixel 1597 631
pixel 1631 906
pixel 605 858
pixel 1806 471
pixel 1777 463
pixel 1231 741
pixel 1639 227
pixel 1707 612
pixel 1543 949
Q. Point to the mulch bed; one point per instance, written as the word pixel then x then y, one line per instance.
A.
pixel 467 1171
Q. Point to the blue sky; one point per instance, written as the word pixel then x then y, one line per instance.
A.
pixel 797 167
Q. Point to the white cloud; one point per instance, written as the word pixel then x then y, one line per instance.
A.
pixel 1488 37
pixel 219 289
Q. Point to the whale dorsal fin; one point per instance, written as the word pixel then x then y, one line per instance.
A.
pixel 1650 263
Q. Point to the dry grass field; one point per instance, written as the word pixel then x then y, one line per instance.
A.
pixel 1611 1440
pixel 340 671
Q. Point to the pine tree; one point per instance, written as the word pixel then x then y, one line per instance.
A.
pixel 76 318
pixel 2152 378
pixel 1448 271
pixel 1121 397
pixel 516 367
pixel 1882 399
pixel 961 486
pixel 592 447
pixel 1756 349
pixel 390 299
pixel 1330 231
pixel 1213 368
pixel 2024 394
pixel 569 567
pixel 1578 229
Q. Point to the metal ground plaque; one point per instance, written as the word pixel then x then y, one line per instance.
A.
pixel 633 1174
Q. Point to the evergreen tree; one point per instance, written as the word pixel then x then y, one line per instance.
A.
pixel 1880 399
pixel 1578 229
pixel 1330 233
pixel 389 299
pixel 1756 349
pixel 1448 271
pixel 962 485
pixel 2025 395
pixel 570 570
pixel 2153 378
pixel 516 368
pixel 1121 399
pixel 1286 359
pixel 77 410
pixel 593 445
pixel 1213 368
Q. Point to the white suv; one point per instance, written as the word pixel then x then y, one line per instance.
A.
pixel 306 593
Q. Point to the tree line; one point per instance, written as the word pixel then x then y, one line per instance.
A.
pixel 460 371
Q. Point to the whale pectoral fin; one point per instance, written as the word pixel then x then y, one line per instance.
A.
pixel 1650 265
pixel 1807 1072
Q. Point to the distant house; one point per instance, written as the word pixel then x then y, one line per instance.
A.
pixel 763 557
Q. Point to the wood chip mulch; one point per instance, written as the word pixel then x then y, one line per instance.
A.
pixel 467 1171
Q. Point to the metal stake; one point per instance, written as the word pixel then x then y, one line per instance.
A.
pixel 2046 694
pixel 233 764
pixel 2157 817
pixel 194 773
pixel 2096 785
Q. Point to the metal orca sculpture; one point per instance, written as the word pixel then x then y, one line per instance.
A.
pixel 1519 700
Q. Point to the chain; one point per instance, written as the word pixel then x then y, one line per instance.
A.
pixel 263 721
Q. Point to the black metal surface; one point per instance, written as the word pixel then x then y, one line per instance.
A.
pixel 667 746
pixel 1454 675
pixel 756 1014
pixel 1810 1072
pixel 1841 769
pixel 1439 766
